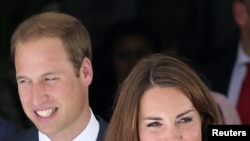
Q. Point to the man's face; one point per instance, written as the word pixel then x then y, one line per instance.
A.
pixel 52 96
pixel 128 51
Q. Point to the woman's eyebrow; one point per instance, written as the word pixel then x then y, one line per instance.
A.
pixel 152 118
pixel 186 112
pixel 159 118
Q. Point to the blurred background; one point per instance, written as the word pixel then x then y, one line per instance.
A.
pixel 196 29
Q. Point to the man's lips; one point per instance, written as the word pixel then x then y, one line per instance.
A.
pixel 46 113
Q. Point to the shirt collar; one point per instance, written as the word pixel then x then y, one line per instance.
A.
pixel 242 57
pixel 90 133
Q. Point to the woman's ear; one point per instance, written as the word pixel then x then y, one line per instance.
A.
pixel 86 71
pixel 240 13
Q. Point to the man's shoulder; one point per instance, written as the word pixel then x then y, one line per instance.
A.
pixel 101 121
pixel 103 128
pixel 30 134
pixel 7 128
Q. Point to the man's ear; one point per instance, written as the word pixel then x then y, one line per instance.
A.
pixel 86 71
pixel 240 13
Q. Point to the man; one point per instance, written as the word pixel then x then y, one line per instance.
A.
pixel 227 74
pixel 52 56
pixel 6 128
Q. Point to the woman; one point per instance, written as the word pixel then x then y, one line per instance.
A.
pixel 162 98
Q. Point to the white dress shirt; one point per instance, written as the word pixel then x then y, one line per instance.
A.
pixel 238 75
pixel 90 133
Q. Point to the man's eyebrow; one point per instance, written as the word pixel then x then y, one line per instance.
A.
pixel 20 77
pixel 48 73
pixel 45 74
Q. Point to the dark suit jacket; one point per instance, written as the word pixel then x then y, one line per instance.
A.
pixel 6 128
pixel 32 133
pixel 218 72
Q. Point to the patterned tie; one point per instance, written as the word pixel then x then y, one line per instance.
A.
pixel 243 106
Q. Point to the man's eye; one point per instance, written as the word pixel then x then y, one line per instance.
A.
pixel 185 120
pixel 154 124
pixel 50 79
pixel 22 81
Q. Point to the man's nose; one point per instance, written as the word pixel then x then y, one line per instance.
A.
pixel 38 94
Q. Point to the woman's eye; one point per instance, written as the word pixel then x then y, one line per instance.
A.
pixel 185 120
pixel 154 124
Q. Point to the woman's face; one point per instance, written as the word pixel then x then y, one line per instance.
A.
pixel 166 113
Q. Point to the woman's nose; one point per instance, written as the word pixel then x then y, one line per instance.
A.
pixel 171 134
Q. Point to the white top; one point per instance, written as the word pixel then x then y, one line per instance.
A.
pixel 238 74
pixel 90 133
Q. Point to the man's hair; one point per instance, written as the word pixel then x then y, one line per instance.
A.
pixel 68 29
